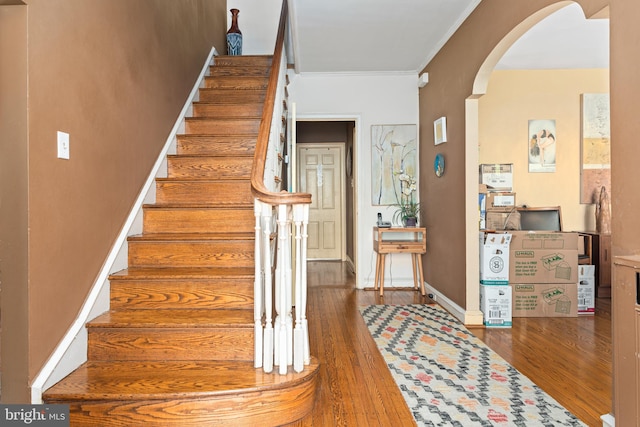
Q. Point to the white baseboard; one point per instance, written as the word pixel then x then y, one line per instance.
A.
pixel 453 308
pixel 71 352
pixel 608 420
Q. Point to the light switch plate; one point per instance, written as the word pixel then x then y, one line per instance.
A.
pixel 63 145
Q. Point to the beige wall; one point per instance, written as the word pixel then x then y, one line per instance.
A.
pixel 114 74
pixel 515 97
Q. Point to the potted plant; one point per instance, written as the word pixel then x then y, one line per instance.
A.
pixel 408 209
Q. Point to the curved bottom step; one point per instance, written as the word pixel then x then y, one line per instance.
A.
pixel 184 394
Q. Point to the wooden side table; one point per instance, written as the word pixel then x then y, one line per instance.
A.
pixel 399 240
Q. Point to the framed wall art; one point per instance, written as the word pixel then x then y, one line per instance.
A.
pixel 393 152
pixel 440 131
pixel 541 147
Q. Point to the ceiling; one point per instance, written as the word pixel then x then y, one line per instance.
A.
pixel 357 36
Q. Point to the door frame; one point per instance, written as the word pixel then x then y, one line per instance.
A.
pixel 343 201
pixel 357 132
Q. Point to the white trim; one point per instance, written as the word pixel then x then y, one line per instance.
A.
pixel 325 74
pixel 608 420
pixel 453 308
pixel 69 353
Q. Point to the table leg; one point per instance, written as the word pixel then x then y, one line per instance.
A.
pixel 382 274
pixel 421 274
pixel 377 278
pixel 413 268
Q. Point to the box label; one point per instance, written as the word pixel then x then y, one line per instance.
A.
pixel 545 300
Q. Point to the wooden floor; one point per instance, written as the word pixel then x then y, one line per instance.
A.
pixel 568 358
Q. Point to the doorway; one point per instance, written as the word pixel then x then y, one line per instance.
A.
pixel 320 173
pixel 321 133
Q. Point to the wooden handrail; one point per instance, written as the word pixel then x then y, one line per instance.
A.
pixel 258 188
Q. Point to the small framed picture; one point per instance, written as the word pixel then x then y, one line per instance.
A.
pixel 440 130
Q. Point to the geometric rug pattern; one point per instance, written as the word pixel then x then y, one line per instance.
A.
pixel 449 377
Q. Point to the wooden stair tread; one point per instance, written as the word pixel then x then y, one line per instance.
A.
pixel 140 380
pixel 177 273
pixel 209 156
pixel 195 179
pixel 192 236
pixel 212 205
pixel 174 318
pixel 210 135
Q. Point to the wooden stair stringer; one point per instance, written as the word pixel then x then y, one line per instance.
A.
pixel 176 348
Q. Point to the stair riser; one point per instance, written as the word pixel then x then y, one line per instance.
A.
pixel 238 70
pixel 209 294
pixel 217 145
pixel 236 82
pixel 213 167
pixel 170 344
pixel 279 406
pixel 244 61
pixel 224 110
pixel 191 254
pixel 215 126
pixel 183 220
pixel 231 96
pixel 206 192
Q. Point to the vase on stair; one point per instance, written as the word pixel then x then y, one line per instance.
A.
pixel 234 35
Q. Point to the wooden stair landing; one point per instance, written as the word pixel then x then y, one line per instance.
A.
pixel 177 346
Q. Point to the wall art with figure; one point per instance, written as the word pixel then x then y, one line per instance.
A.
pixel 542 146
pixel 393 152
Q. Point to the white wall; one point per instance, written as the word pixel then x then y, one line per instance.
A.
pixel 369 99
pixel 258 22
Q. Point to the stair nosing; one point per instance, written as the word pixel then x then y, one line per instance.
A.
pixel 182 273
pixel 271 383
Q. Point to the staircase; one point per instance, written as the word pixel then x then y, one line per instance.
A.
pixel 177 347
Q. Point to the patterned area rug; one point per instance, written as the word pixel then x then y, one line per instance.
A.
pixel 450 378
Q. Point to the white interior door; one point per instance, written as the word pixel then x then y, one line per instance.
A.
pixel 320 172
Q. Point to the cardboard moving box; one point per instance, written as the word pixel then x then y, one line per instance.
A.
pixel 497 177
pixel 495 304
pixel 501 202
pixel 586 289
pixel 543 257
pixel 545 300
pixel 494 258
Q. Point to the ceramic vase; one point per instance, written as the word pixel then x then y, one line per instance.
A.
pixel 234 35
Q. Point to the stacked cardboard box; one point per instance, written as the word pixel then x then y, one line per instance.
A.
pixel 497 177
pixel 586 289
pixel 495 292
pixel 543 272
pixel 496 197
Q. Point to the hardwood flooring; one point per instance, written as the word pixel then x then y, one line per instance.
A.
pixel 569 358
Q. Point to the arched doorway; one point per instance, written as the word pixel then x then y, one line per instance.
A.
pixel 474 137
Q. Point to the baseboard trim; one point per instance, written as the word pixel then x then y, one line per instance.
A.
pixel 71 352
pixel 453 308
pixel 608 420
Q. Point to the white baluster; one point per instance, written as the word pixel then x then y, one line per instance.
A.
pixel 298 338
pixel 281 286
pixel 303 284
pixel 268 294
pixel 258 305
